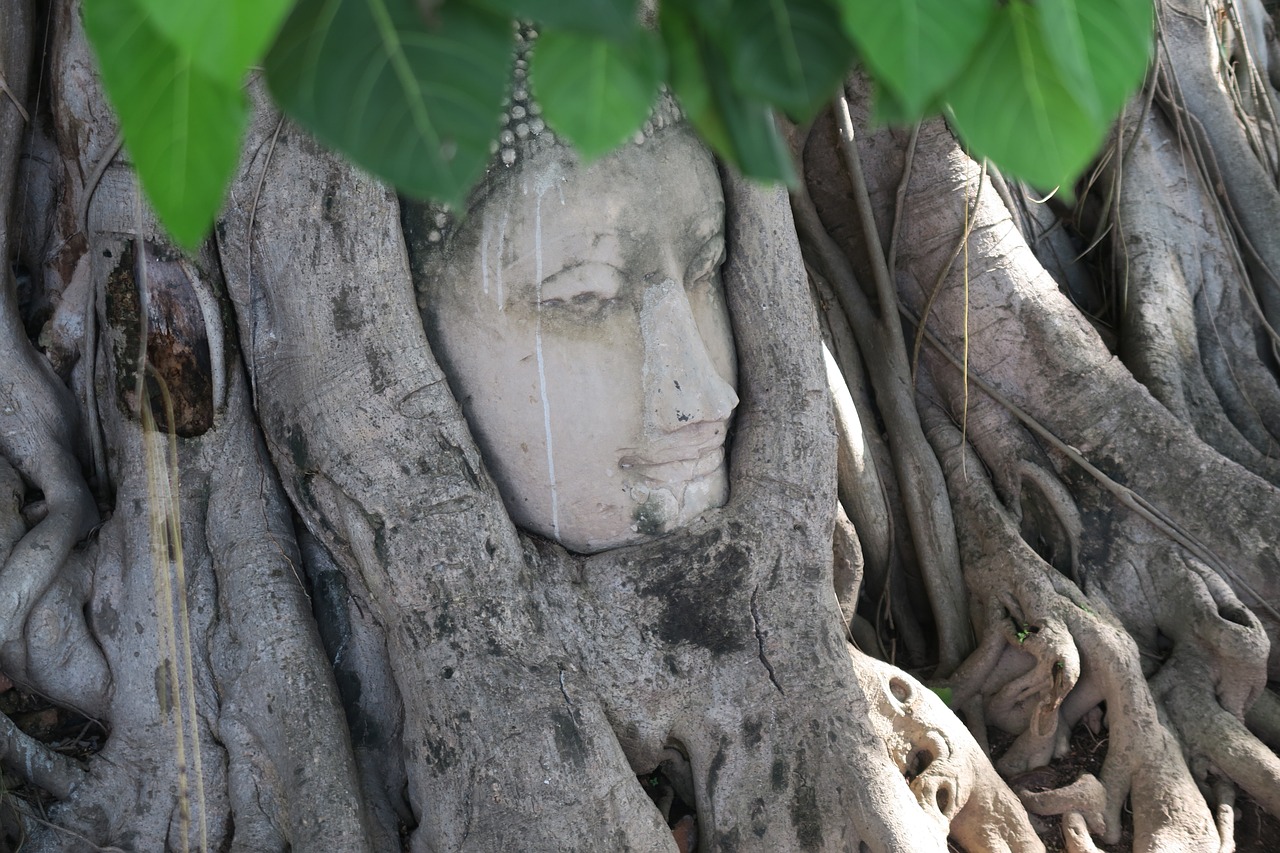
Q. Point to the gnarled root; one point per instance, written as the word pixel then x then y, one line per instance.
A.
pixel 954 783
pixel 1144 759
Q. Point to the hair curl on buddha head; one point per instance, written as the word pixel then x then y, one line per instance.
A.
pixel 525 141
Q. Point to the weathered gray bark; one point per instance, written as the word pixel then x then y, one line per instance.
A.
pixel 1108 483
pixel 198 654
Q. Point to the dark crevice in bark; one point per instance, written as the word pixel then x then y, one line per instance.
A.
pixel 760 638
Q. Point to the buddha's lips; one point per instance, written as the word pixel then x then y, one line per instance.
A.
pixel 685 463
pixel 687 444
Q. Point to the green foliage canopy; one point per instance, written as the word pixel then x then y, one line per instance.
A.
pixel 412 90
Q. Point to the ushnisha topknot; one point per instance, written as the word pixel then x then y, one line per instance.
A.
pixel 524 130
pixel 525 133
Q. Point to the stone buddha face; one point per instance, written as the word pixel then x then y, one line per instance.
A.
pixel 579 314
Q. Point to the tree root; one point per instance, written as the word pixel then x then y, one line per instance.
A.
pixel 948 772
pixel 866 485
pixel 1224 812
pixel 1187 335
pixel 879 335
pixel 1144 759
pixel 1263 719
pixel 36 763
pixel 1075 832
pixel 1189 37
pixel 1215 738
pixel 1085 797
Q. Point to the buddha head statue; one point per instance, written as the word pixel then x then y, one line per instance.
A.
pixel 578 313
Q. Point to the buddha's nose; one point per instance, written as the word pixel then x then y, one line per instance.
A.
pixel 682 385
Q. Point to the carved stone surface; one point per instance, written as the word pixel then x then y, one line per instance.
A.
pixel 579 315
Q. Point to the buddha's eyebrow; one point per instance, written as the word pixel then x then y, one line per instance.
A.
pixel 605 248
pixel 611 263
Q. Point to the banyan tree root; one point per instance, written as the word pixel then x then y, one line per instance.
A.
pixel 1186 318
pixel 1029 341
pixel 949 773
pixel 181 623
pixel 39 438
pixel 1215 669
pixel 1081 404
pixel 1144 760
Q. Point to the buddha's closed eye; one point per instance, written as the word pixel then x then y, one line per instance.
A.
pixel 587 287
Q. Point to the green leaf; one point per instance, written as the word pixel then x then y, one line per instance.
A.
pixel 689 78
pixel 739 128
pixel 1014 106
pixel 182 127
pixel 1100 47
pixel 790 53
pixel 415 104
pixel 916 47
pixel 758 149
pixel 887 109
pixel 603 17
pixel 943 693
pixel 596 91
pixel 222 37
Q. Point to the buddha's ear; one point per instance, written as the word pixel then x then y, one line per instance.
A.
pixel 784 422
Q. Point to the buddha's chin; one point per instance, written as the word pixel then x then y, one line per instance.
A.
pixel 653 510
pixel 657 510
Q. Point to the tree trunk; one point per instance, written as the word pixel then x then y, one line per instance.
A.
pixel 246 532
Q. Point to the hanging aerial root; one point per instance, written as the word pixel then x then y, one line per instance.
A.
pixel 1188 37
pixel 864 477
pixel 928 516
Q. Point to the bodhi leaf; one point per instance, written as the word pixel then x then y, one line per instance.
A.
pixel 741 129
pixel 182 126
pixel 688 77
pixel 604 17
pixel 791 53
pixel 1014 106
pixel 222 37
pixel 1101 48
pixel 916 47
pixel 887 109
pixel 596 91
pixel 416 104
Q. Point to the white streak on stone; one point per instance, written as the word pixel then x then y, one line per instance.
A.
pixel 502 241
pixel 542 373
